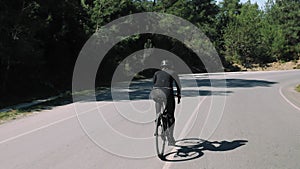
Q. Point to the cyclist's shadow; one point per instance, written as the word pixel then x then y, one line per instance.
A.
pixel 193 148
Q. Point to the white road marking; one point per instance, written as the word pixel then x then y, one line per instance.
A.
pixel 48 125
pixel 287 100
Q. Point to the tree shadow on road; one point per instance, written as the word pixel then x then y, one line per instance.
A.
pixel 193 148
pixel 229 83
pixel 140 90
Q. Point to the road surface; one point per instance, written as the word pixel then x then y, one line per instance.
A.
pixel 254 122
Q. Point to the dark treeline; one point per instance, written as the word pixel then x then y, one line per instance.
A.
pixel 41 39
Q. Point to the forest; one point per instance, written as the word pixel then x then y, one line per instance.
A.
pixel 41 39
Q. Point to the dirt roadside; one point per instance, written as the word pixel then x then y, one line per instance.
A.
pixel 273 66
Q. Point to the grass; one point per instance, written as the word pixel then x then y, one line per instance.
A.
pixel 298 88
pixel 65 98
pixel 19 113
pixel 11 115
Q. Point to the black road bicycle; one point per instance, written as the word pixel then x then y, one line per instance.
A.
pixel 161 125
pixel 161 130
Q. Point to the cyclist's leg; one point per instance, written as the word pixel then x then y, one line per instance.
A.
pixel 170 111
pixel 171 119
pixel 157 107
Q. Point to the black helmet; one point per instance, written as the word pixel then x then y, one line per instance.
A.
pixel 166 63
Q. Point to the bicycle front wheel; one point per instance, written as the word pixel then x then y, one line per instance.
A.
pixel 160 137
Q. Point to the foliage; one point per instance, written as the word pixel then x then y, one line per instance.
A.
pixel 255 36
pixel 41 39
pixel 288 14
pixel 10 115
pixel 39 43
pixel 298 88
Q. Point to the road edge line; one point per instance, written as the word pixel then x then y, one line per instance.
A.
pixel 45 126
pixel 287 100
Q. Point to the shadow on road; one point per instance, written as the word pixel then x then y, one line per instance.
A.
pixel 230 83
pixel 140 90
pixel 193 148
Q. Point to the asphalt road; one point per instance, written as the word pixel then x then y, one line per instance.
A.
pixel 252 122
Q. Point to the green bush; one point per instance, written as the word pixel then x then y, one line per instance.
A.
pixel 298 88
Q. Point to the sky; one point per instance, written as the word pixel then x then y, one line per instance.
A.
pixel 261 3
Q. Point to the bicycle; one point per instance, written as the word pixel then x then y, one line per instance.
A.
pixel 161 130
pixel 161 125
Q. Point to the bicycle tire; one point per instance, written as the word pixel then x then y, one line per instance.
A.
pixel 160 137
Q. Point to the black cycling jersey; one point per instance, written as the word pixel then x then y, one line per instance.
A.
pixel 165 79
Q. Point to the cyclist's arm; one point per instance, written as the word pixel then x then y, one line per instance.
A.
pixel 178 85
pixel 154 78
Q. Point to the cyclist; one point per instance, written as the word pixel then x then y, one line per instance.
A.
pixel 164 80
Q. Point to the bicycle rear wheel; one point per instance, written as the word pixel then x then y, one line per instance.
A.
pixel 160 137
